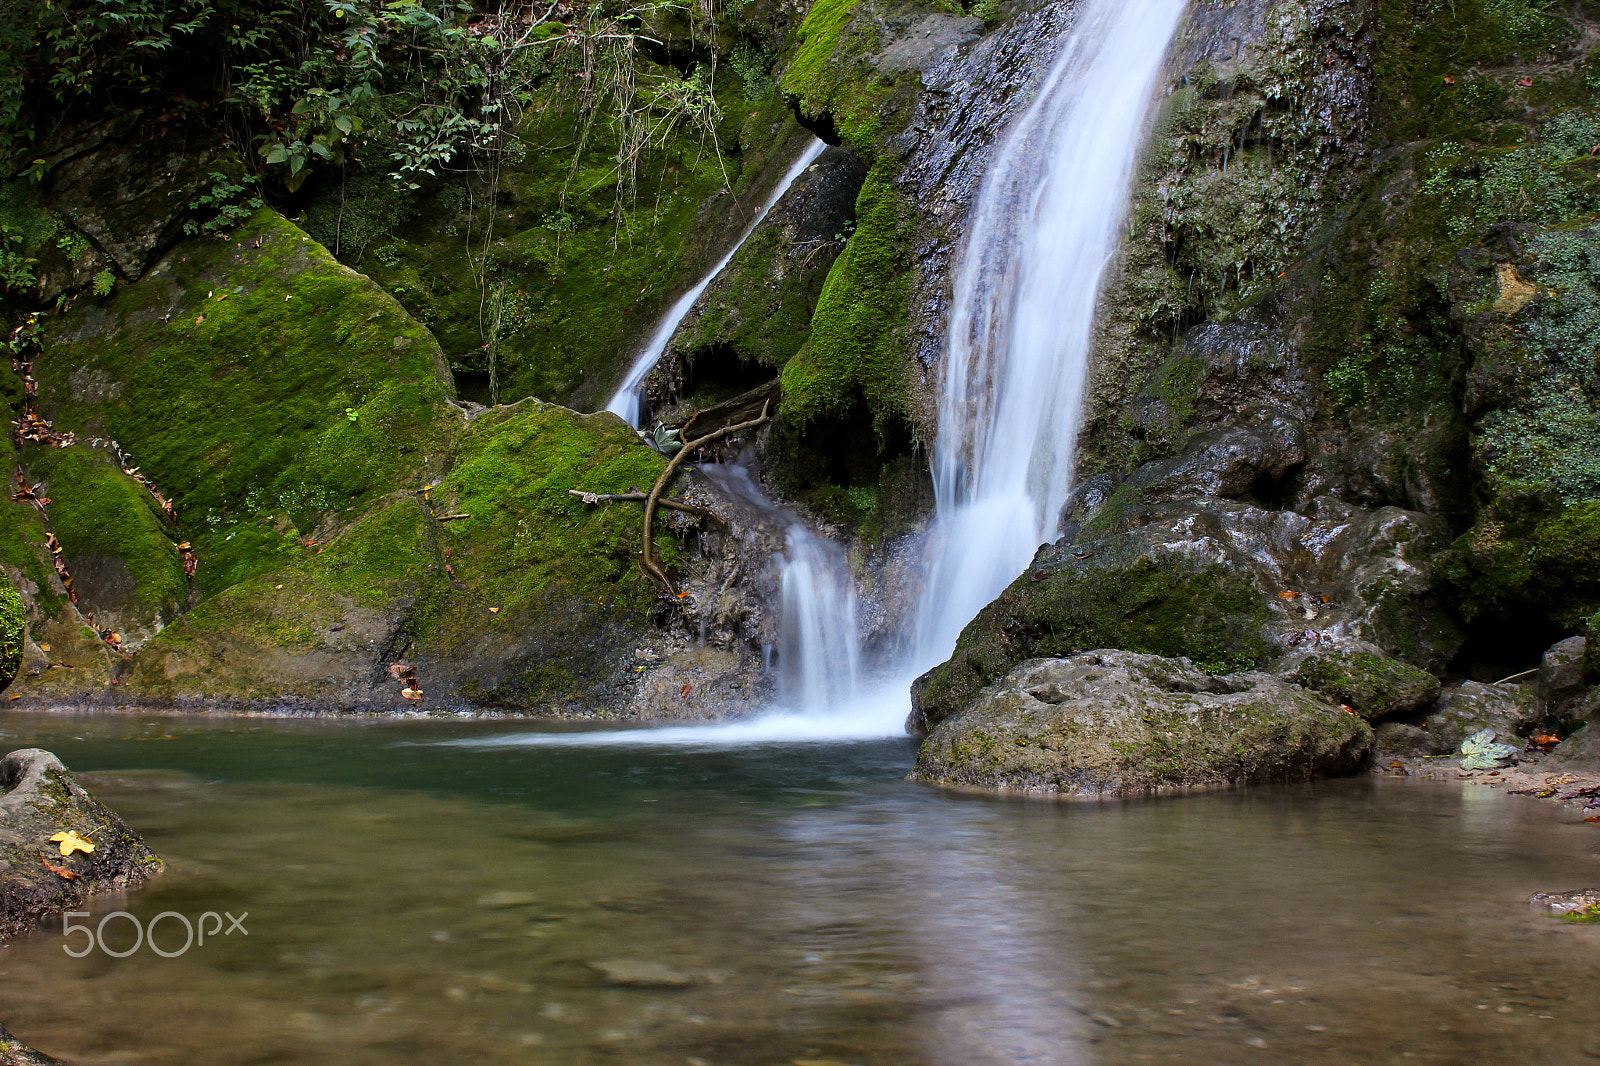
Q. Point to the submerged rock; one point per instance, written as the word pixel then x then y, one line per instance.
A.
pixel 1111 723
pixel 38 800
pixel 640 974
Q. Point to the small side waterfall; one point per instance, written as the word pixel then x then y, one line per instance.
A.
pixel 821 658
pixel 628 400
pixel 1045 227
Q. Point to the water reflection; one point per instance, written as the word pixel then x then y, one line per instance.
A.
pixel 428 904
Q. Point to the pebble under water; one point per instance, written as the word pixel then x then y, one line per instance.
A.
pixel 416 902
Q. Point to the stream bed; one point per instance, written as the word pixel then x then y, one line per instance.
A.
pixel 435 892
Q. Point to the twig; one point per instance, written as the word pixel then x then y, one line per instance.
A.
pixel 1513 677
pixel 648 551
pixel 639 497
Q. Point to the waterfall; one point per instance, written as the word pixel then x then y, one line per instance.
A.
pixel 628 400
pixel 821 657
pixel 1044 228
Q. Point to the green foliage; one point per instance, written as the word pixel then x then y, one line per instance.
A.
pixel 24 230
pixel 754 69
pixel 103 283
pixel 218 209
pixel 1347 383
pixel 13 631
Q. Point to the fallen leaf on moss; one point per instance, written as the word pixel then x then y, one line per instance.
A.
pixel 683 693
pixel 1289 594
pixel 494 610
pixel 61 870
pixel 70 841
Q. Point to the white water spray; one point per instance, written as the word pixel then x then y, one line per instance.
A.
pixel 628 401
pixel 1045 227
pixel 821 658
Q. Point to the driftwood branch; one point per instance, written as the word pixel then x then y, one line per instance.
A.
pixel 640 497
pixel 648 553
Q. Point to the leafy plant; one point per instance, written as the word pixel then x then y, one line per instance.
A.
pixel 220 207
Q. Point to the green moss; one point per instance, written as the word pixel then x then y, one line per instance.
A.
pixel 557 274
pixel 1374 685
pixel 1156 603
pixel 22 539
pixel 13 632
pixel 856 344
pixel 1422 42
pixel 528 537
pixel 1529 559
pixel 254 379
pixel 98 514
pixel 832 73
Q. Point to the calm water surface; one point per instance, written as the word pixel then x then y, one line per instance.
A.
pixel 417 901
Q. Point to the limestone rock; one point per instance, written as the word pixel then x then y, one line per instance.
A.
pixel 1375 685
pixel 1399 738
pixel 1110 723
pixel 38 799
pixel 1469 707
pixel 1580 751
pixel 1559 691
pixel 1206 579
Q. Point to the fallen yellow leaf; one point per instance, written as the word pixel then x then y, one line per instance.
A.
pixel 70 841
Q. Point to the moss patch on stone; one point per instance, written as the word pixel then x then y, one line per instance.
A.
pixel 1159 603
pixel 855 347
pixel 1376 686
pixel 13 631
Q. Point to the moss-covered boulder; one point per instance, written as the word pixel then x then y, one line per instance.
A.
pixel 1229 585
pixel 1376 686
pixel 13 632
pixel 1109 723
pixel 38 800
pixel 1119 594
pixel 341 511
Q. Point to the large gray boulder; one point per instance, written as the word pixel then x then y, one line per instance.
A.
pixel 39 799
pixel 1112 723
pixel 1560 691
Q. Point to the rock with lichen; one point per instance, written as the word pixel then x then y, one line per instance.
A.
pixel 1109 723
pixel 59 846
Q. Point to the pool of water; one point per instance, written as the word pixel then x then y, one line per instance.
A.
pixel 424 892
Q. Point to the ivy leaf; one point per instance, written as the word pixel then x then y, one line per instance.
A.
pixel 70 841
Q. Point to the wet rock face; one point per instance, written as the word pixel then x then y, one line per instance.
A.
pixel 38 800
pixel 1111 723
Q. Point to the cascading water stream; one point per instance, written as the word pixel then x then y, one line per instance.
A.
pixel 1044 228
pixel 628 401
